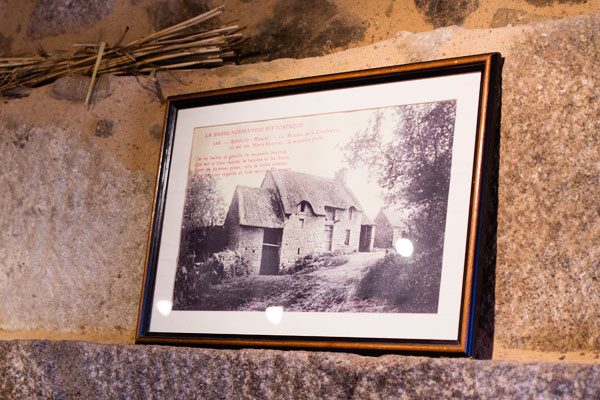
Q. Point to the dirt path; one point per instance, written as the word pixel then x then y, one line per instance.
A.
pixel 326 290
pixel 352 269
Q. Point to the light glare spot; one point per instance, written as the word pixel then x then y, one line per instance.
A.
pixel 164 307
pixel 404 247
pixel 274 314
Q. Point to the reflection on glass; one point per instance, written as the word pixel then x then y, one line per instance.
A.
pixel 274 314
pixel 404 247
pixel 164 307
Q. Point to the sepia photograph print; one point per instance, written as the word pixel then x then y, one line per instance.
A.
pixel 331 213
pixel 339 212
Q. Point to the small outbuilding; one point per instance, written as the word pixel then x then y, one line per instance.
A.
pixel 391 225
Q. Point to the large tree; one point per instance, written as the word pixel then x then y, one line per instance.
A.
pixel 408 151
pixel 201 235
pixel 204 205
pixel 203 213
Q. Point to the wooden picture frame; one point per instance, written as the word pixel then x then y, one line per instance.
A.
pixel 339 212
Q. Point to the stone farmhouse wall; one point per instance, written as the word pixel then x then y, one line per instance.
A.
pixel 342 224
pixel 246 240
pixel 249 246
pixel 304 233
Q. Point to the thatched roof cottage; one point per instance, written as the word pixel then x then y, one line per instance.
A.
pixel 293 214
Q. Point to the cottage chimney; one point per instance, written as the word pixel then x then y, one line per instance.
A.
pixel 340 175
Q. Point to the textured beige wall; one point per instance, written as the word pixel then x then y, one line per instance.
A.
pixel 76 199
pixel 276 28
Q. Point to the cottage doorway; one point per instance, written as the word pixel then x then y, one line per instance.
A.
pixel 366 232
pixel 269 262
pixel 328 244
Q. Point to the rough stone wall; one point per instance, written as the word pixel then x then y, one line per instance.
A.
pixel 310 236
pixel 275 28
pixel 243 239
pixel 72 218
pixel 548 190
pixel 340 226
pixel 250 240
pixel 307 237
pixel 78 370
pixel 81 255
pixel 77 197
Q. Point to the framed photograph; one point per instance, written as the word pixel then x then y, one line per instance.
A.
pixel 339 212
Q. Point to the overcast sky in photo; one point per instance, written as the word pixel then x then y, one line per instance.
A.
pixel 322 157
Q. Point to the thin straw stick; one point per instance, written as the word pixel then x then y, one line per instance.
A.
pixel 180 26
pixel 183 37
pixel 100 52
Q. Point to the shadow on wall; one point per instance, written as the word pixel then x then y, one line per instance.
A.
pixel 440 13
pixel 310 28
pixel 484 340
pixel 303 28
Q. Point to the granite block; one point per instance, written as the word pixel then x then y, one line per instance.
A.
pixel 73 222
pixel 78 370
pixel 548 275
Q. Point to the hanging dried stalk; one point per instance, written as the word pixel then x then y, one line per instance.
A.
pixel 183 45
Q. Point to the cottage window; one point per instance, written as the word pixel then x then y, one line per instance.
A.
pixel 301 222
pixel 329 214
pixel 347 240
pixel 303 206
pixel 350 211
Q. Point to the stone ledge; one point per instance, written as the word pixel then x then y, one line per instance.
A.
pixel 70 369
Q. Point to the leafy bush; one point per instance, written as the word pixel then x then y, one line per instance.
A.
pixel 407 285
pixel 232 265
pixel 197 244
pixel 240 267
pixel 192 280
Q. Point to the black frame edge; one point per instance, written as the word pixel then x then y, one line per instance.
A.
pixel 295 86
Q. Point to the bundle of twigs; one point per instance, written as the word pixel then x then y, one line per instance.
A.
pixel 183 45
